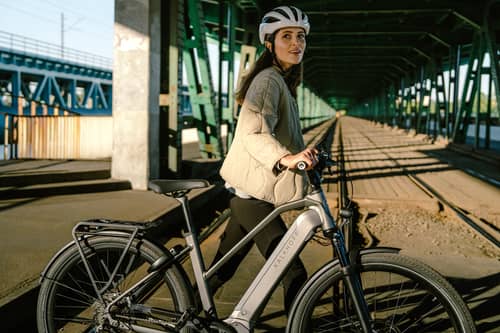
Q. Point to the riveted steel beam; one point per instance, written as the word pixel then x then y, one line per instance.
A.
pixel 461 121
pixel 171 117
pixel 200 86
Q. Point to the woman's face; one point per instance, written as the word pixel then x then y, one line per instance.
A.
pixel 289 46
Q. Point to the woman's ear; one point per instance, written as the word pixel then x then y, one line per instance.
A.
pixel 268 45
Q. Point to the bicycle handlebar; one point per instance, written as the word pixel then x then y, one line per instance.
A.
pixel 301 165
pixel 324 161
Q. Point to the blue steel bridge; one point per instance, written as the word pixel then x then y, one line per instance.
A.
pixel 39 82
pixel 42 79
pixel 39 78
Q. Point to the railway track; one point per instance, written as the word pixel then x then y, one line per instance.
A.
pixel 480 226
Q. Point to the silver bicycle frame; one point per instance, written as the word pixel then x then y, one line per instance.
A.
pixel 252 303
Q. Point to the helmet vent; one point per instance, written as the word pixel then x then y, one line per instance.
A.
pixel 270 19
pixel 282 12
pixel 295 14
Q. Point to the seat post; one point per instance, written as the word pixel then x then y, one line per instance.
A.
pixel 191 237
pixel 187 213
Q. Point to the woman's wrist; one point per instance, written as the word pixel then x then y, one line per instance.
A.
pixel 282 164
pixel 280 167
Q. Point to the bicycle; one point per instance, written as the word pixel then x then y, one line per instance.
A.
pixel 112 278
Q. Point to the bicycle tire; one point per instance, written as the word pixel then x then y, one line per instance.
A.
pixel 403 295
pixel 68 302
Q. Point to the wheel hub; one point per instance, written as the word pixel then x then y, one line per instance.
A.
pixel 100 313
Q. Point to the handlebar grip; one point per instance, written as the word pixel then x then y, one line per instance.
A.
pixel 301 165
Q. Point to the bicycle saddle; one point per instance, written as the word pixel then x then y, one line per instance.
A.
pixel 165 186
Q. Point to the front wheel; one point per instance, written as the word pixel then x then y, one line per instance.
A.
pixel 68 301
pixel 403 295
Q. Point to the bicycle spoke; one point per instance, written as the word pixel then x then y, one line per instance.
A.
pixel 70 302
pixel 401 299
pixel 417 316
pixel 89 297
pixel 78 320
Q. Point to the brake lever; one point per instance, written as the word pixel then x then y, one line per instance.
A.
pixel 324 162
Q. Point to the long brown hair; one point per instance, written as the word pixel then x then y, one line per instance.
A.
pixel 292 76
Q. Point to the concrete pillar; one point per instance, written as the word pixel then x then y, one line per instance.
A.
pixel 136 90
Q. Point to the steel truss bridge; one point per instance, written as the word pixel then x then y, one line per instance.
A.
pixel 426 67
pixel 39 78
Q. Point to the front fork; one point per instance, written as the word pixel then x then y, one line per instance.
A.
pixel 350 272
pixel 352 279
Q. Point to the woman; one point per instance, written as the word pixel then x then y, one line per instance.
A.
pixel 260 167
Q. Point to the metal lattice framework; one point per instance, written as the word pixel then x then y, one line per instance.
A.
pixel 399 61
pixel 45 83
pixel 232 24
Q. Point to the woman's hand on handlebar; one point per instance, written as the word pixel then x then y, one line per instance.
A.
pixel 307 156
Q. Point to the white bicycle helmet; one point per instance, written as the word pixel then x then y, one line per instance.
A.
pixel 281 17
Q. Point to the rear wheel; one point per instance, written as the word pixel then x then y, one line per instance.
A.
pixel 403 295
pixel 68 301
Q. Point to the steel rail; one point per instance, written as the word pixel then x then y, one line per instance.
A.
pixel 482 227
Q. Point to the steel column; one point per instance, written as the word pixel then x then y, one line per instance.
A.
pixel 478 98
pixel 226 55
pixel 200 86
pixel 442 110
pixel 470 88
pixel 456 78
pixel 171 118
pixel 488 116
pixel 493 49
pixel 392 104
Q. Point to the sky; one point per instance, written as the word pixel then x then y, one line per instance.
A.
pixel 88 25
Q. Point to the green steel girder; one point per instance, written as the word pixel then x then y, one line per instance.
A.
pixel 419 32
pixel 234 23
pixel 387 71
pixel 442 111
pixel 365 58
pixel 421 42
pixel 467 11
pixel 393 48
pixel 461 121
pixel 227 17
pixel 358 82
pixel 381 52
pixel 170 116
pixel 391 104
pixel 416 33
pixel 211 14
pixel 424 106
pixel 492 48
pixel 201 92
